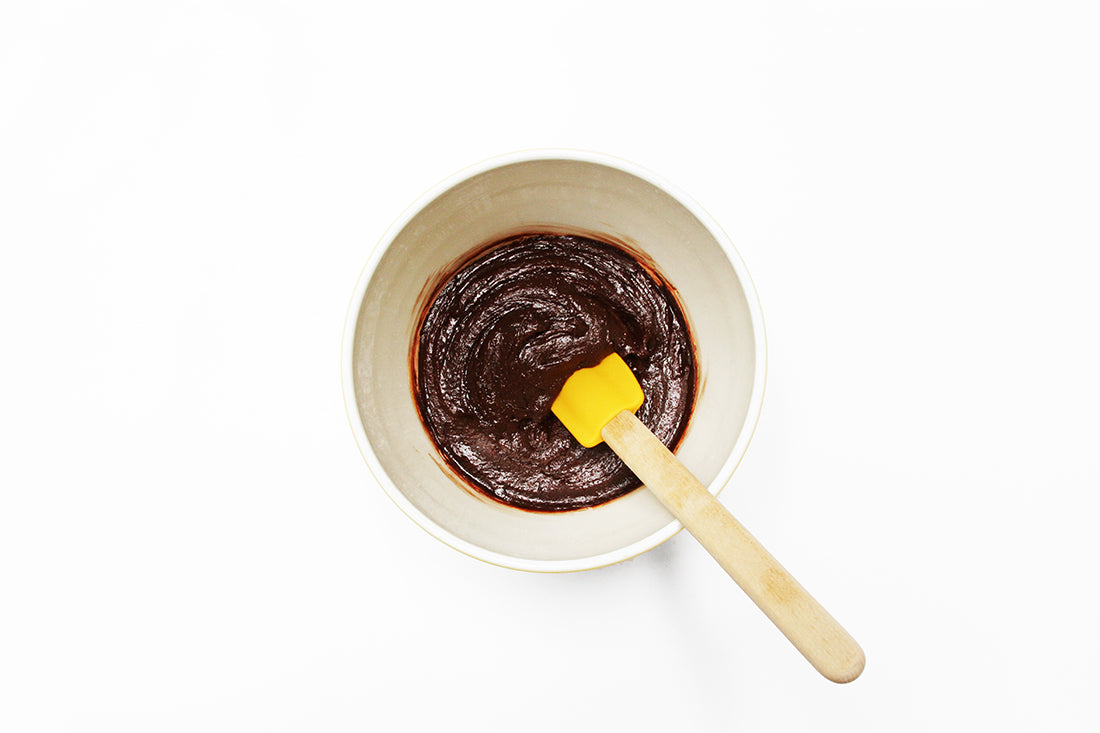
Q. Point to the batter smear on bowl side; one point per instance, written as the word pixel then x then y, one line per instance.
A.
pixel 504 331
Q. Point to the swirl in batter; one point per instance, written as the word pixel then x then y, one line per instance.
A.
pixel 503 333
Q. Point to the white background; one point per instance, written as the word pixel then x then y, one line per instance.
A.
pixel 189 539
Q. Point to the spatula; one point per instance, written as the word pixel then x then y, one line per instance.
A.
pixel 597 405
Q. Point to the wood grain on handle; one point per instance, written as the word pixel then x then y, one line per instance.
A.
pixel 828 647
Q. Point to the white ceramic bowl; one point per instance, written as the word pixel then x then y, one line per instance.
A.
pixel 558 190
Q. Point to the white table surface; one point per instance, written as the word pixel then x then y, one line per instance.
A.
pixel 189 539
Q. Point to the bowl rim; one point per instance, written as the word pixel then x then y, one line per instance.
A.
pixel 351 321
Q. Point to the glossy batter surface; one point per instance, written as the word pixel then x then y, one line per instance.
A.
pixel 503 333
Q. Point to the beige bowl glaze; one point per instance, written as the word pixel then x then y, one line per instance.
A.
pixel 558 190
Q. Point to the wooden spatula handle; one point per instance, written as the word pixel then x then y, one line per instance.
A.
pixel 824 642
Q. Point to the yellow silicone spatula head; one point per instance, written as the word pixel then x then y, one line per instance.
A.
pixel 591 397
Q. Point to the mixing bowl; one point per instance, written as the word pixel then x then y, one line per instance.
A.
pixel 564 191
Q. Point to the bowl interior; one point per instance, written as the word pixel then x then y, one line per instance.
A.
pixel 564 195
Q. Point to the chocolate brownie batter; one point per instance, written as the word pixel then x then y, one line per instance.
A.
pixel 503 333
